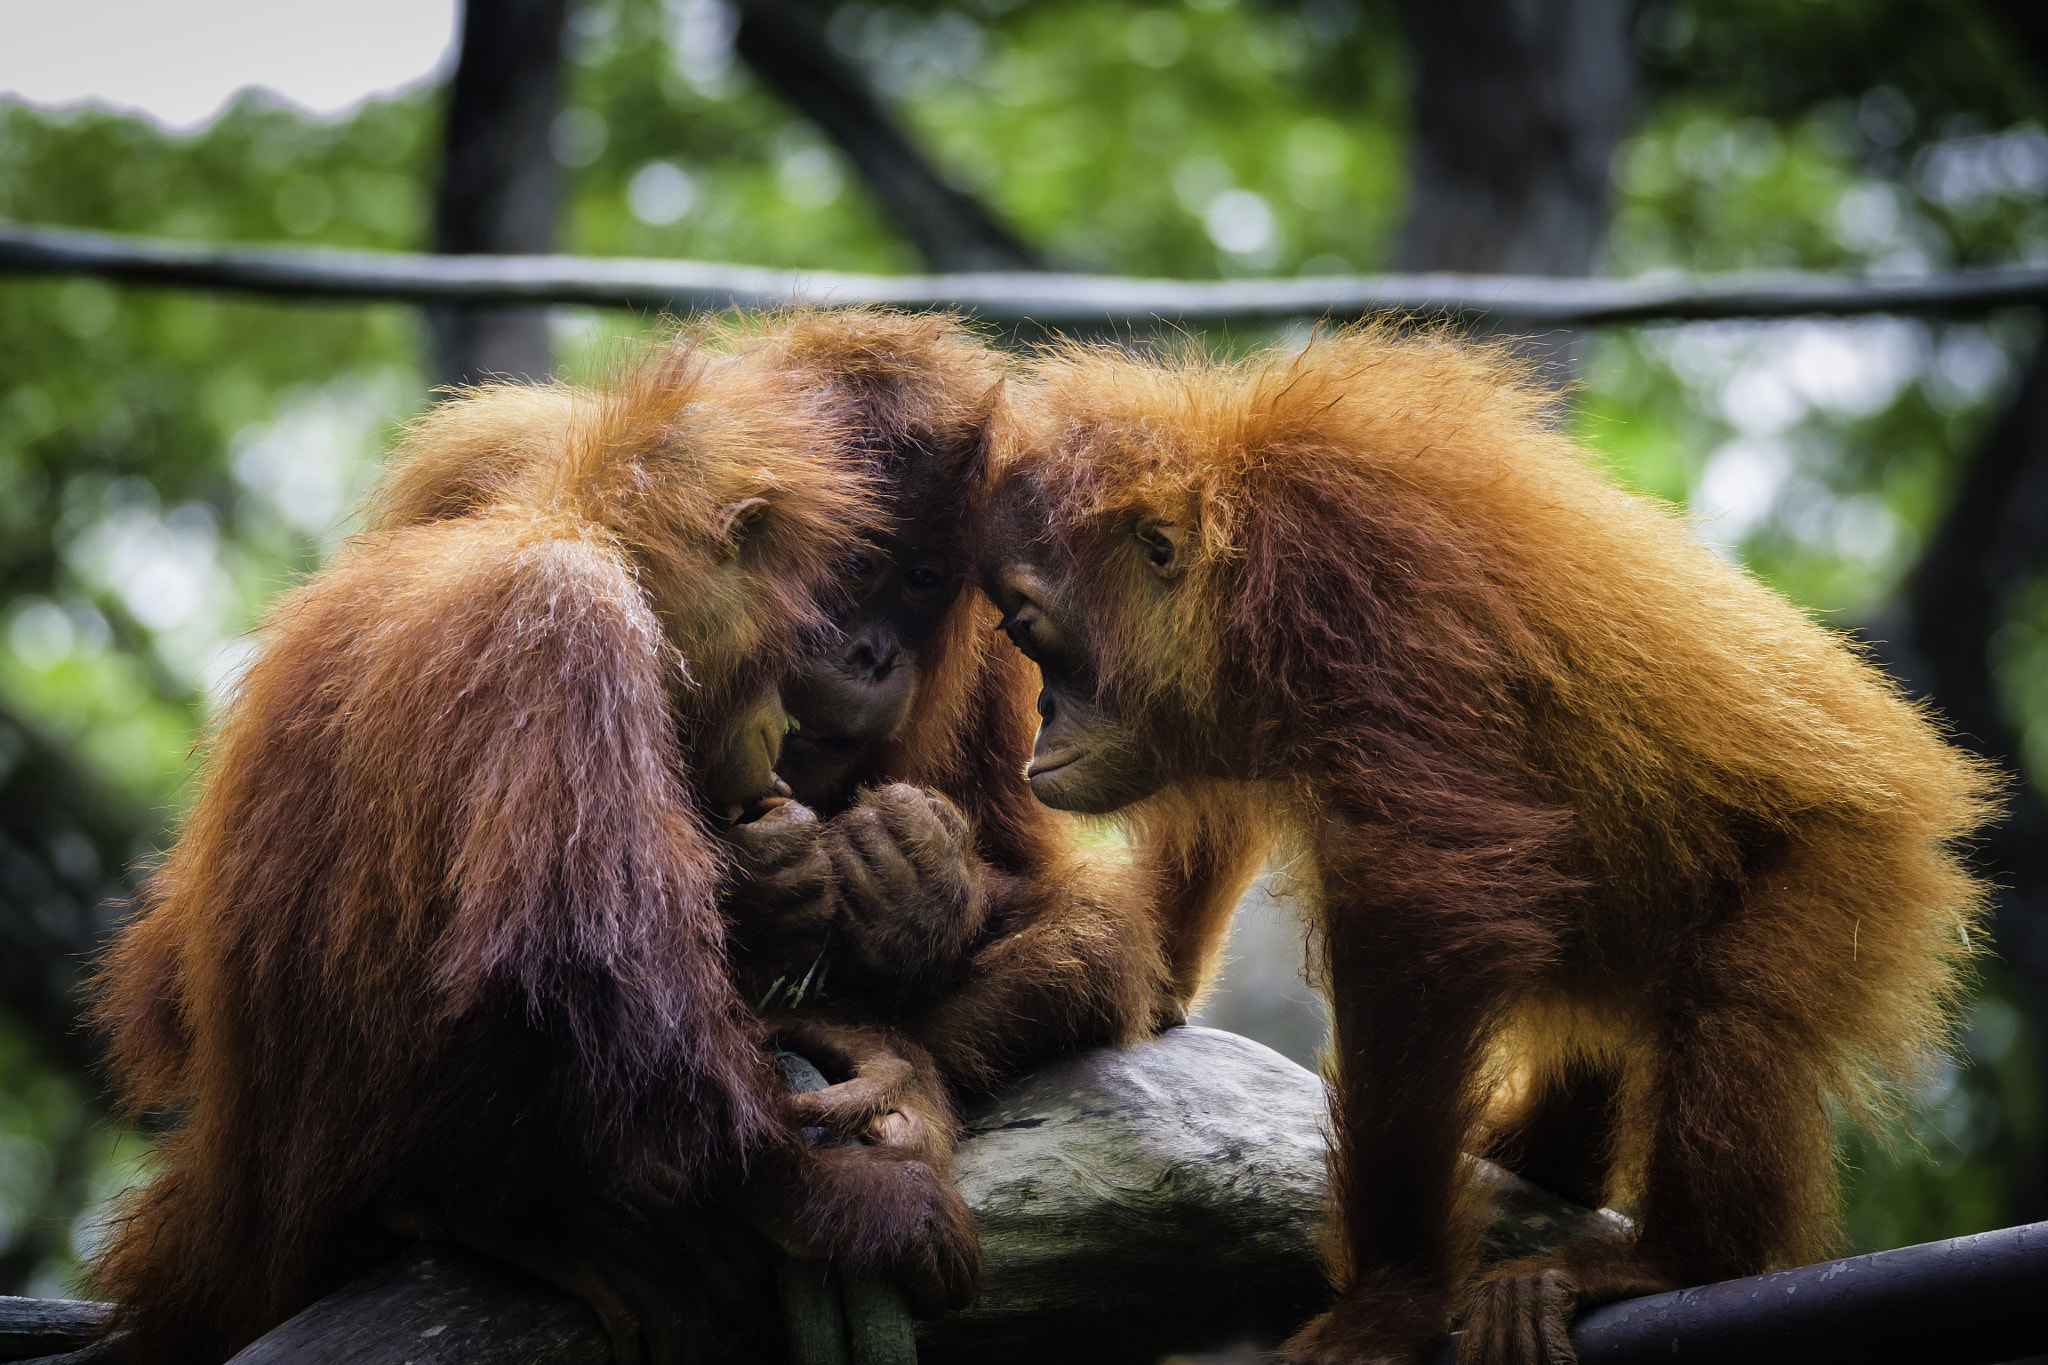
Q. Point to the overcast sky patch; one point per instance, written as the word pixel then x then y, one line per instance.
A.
pixel 180 61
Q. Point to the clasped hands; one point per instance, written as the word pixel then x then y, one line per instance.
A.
pixel 839 928
pixel 880 903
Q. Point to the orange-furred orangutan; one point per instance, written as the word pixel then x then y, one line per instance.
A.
pixel 1580 813
pixel 916 883
pixel 440 944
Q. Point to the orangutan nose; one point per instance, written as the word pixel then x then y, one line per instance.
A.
pixel 873 656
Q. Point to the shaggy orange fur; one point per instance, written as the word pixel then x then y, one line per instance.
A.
pixel 440 941
pixel 1059 949
pixel 1562 792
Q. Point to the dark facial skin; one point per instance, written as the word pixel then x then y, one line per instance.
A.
pixel 858 691
pixel 1088 757
pixel 889 872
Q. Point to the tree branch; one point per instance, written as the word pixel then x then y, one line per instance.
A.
pixel 786 47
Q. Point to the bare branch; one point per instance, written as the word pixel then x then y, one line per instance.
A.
pixel 784 44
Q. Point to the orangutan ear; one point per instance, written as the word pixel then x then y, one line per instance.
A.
pixel 739 521
pixel 1162 541
pixel 987 414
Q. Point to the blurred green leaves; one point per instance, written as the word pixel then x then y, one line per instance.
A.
pixel 143 526
pixel 1108 133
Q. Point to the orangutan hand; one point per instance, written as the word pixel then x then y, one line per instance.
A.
pixel 782 899
pixel 912 887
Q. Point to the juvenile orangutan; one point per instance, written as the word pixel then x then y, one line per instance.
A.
pixel 1574 804
pixel 440 943
pixel 915 883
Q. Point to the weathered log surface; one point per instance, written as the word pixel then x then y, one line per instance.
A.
pixel 1141 1200
pixel 1159 1198
pixel 1166 1197
pixel 42 1327
pixel 436 1304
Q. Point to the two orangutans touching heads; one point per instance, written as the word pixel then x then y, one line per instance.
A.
pixel 492 910
pixel 647 728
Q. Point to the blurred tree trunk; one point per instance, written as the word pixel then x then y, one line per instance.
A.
pixel 784 42
pixel 66 847
pixel 1517 107
pixel 1939 639
pixel 2027 21
pixel 497 191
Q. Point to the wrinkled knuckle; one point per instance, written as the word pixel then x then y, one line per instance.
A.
pixel 960 886
pixel 893 1129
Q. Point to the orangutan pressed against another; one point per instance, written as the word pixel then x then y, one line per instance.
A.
pixel 440 944
pixel 918 883
pixel 1583 813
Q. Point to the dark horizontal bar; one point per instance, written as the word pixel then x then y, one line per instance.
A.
pixel 1044 298
pixel 1968 1301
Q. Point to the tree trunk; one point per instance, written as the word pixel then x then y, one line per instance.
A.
pixel 1991 544
pixel 66 845
pixel 1517 108
pixel 498 184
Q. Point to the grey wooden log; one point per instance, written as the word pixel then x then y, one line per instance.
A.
pixel 1163 1197
pixel 1132 1200
pixel 43 1327
pixel 435 1304
pixel 1143 1200
pixel 1050 299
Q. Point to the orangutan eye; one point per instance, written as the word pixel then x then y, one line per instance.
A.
pixel 923 578
pixel 1022 628
pixel 858 566
pixel 1162 547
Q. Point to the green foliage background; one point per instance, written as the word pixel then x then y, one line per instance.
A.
pixel 168 461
